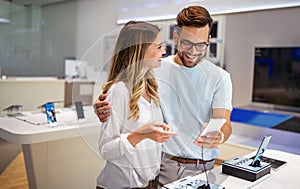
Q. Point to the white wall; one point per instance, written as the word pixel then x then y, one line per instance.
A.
pixel 58 36
pixel 244 31
pixel 95 19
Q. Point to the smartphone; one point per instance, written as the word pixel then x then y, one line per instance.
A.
pixel 50 112
pixel 214 125
pixel 262 148
pixel 79 110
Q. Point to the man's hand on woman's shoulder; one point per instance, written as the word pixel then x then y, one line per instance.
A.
pixel 102 108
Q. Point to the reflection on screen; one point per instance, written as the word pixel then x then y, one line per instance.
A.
pixel 276 78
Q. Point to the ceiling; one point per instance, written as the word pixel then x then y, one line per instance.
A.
pixel 35 2
pixel 215 4
pixel 149 10
pixel 212 4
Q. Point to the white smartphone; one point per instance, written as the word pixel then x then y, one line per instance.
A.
pixel 262 148
pixel 214 125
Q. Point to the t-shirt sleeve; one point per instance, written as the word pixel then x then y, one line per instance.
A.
pixel 223 94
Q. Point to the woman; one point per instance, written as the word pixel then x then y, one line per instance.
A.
pixel 131 138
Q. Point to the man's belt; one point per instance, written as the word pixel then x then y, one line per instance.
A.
pixel 186 160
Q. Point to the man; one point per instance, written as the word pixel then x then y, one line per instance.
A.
pixel 192 91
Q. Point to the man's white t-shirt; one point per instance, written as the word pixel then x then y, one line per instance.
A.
pixel 188 96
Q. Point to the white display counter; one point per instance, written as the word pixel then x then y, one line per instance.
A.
pixel 63 156
pixel 285 177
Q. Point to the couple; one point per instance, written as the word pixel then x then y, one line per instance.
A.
pixel 186 93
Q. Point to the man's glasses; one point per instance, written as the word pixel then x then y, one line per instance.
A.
pixel 187 45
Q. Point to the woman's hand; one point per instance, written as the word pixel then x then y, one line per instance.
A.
pixel 159 132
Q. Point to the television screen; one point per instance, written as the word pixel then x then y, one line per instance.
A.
pixel 171 30
pixel 214 30
pixel 213 50
pixel 277 76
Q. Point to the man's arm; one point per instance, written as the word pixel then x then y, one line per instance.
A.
pixel 102 108
pixel 213 139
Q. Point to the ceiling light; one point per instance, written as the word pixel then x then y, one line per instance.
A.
pixel 5 21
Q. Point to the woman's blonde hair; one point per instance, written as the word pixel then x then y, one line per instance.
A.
pixel 126 65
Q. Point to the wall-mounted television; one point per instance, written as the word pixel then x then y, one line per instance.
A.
pixel 172 28
pixel 276 79
pixel 214 30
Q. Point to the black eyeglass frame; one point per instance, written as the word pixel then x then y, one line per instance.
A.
pixel 203 45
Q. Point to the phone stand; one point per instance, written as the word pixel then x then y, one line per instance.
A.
pixel 13 110
pixel 242 167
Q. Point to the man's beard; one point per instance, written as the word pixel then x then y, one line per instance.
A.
pixel 201 56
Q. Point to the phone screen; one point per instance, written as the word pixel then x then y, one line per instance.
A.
pixel 50 112
pixel 262 148
pixel 214 125
pixel 79 110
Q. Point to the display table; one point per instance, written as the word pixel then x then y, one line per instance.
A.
pixel 64 156
pixel 285 177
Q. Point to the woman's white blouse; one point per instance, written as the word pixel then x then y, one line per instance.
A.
pixel 128 166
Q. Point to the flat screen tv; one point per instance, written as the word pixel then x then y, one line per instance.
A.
pixel 277 77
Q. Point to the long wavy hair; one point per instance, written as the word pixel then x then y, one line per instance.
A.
pixel 126 65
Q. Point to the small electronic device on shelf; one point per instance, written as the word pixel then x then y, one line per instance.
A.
pixel 13 110
pixel 79 110
pixel 50 112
